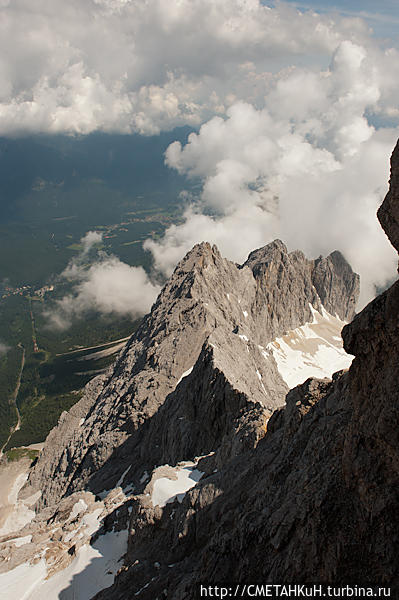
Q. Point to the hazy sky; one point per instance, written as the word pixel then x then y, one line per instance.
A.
pixel 296 109
pixel 134 66
pixel 382 16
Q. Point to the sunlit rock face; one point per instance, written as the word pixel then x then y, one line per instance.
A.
pixel 209 331
pixel 182 424
pixel 316 498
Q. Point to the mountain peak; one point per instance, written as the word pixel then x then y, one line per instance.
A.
pixel 213 321
pixel 266 253
pixel 186 444
pixel 199 256
pixel 336 284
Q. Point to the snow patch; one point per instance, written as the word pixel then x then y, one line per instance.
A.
pixel 21 541
pixel 166 490
pixel 19 583
pixel 92 521
pixel 122 477
pixel 102 495
pixel 313 350
pixel 243 337
pixel 17 486
pixel 244 312
pixel 89 525
pixel 144 477
pixel 21 515
pixel 144 587
pixel 105 493
pixel 79 507
pixel 93 569
pixel 129 489
pixel 185 374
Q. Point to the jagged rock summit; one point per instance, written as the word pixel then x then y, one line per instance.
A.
pixel 315 501
pixel 199 361
pixel 188 405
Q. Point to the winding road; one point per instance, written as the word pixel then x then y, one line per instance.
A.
pixel 14 400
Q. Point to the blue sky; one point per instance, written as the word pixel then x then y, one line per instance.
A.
pixel 382 16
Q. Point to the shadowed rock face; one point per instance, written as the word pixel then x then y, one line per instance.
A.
pixel 388 213
pixel 306 494
pixel 316 499
pixel 303 493
pixel 335 285
pixel 196 377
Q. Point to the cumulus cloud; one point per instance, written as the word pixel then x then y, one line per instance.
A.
pixel 91 239
pixel 106 285
pixel 297 114
pixel 133 66
pixel 308 168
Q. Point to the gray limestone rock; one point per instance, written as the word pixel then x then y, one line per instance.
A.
pixel 315 500
pixel 306 494
pixel 336 286
pixel 211 322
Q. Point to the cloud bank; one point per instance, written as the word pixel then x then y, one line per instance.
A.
pixel 134 66
pixel 105 284
pixel 297 114
pixel 307 168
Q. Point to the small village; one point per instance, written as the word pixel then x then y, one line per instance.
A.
pixel 24 290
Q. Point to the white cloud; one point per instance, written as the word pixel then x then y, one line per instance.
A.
pixel 91 239
pixel 133 66
pixel 307 168
pixel 107 285
pixel 286 101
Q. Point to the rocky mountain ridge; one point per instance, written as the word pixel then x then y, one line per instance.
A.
pixel 194 387
pixel 316 499
pixel 191 452
pixel 199 362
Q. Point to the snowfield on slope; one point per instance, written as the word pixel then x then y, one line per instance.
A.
pixel 177 482
pixel 313 350
pixel 18 512
pixel 92 570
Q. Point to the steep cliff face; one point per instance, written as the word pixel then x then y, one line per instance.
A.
pixel 315 501
pixel 200 363
pixel 388 213
pixel 198 458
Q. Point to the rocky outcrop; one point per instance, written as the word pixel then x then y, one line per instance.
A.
pixel 316 499
pixel 388 213
pixel 295 493
pixel 197 366
pixel 335 285
pixel 45 558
